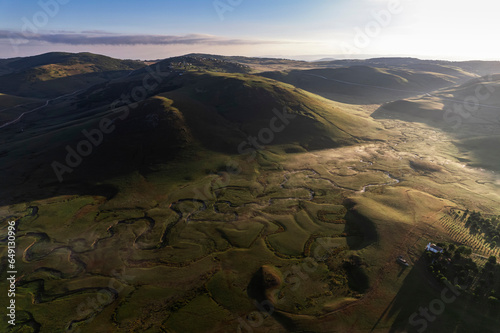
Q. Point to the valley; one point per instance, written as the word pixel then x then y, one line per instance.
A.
pixel 169 225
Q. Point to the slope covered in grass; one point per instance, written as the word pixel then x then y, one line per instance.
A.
pixel 470 113
pixel 365 84
pixel 225 113
pixel 55 74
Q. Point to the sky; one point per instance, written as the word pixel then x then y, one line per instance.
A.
pixel 297 29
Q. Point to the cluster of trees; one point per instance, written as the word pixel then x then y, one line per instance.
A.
pixel 489 228
pixel 456 266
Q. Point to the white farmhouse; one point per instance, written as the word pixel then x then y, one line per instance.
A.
pixel 434 248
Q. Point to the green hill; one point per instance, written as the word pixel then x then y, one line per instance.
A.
pixel 13 106
pixel 469 112
pixel 54 74
pixel 204 63
pixel 474 102
pixel 368 85
pixel 225 113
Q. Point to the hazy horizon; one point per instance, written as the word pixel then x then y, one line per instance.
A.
pixel 285 29
pixel 307 58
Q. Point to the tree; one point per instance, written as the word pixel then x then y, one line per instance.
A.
pixel 492 260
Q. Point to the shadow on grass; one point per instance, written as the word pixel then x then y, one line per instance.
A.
pixel 420 297
pixel 361 231
pixel 15 84
pixel 256 290
pixel 135 145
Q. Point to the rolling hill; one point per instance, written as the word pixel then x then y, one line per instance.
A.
pixel 361 84
pixel 54 74
pixel 470 113
pixel 190 110
pixel 479 68
pixel 474 102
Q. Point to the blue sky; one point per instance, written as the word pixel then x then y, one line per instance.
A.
pixel 171 17
pixel 152 29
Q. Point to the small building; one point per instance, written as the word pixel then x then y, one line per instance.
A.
pixel 434 248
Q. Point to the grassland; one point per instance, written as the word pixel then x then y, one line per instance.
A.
pixel 54 74
pixel 187 261
pixel 178 241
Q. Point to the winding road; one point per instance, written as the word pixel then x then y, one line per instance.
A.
pixel 37 109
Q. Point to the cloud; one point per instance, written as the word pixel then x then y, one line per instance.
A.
pixel 103 38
